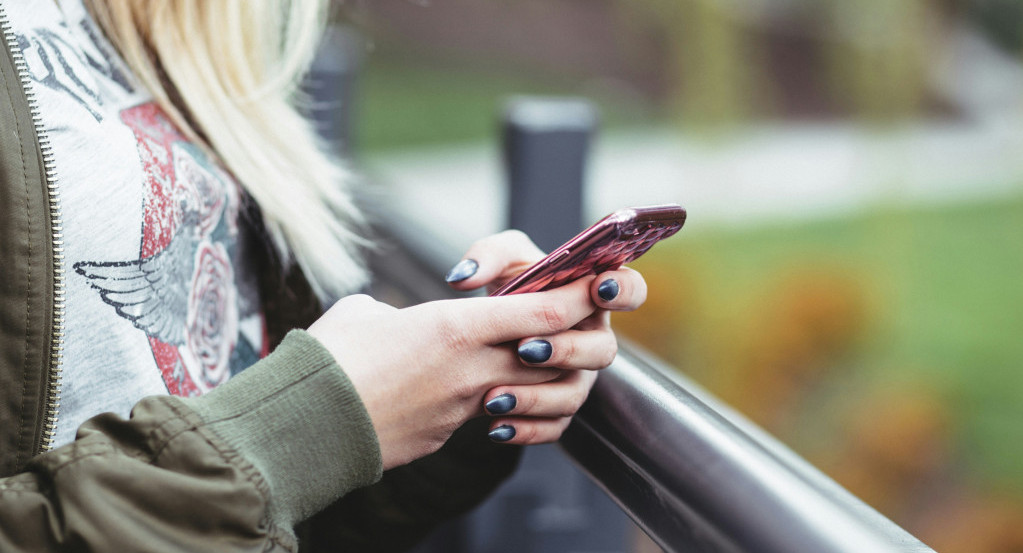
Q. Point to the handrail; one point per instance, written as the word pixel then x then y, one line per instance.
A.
pixel 697 476
pixel 692 473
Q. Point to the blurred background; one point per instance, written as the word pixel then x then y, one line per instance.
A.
pixel 851 274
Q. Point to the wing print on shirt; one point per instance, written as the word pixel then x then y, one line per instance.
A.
pixel 152 293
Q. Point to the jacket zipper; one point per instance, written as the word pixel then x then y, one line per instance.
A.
pixel 54 369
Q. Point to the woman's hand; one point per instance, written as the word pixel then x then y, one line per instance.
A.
pixel 530 413
pixel 423 371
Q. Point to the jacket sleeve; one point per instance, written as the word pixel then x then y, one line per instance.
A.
pixel 392 515
pixel 228 472
pixel 410 501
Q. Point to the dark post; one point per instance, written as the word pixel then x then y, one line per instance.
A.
pixel 546 141
pixel 548 505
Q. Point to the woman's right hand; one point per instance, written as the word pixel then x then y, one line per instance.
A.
pixel 422 371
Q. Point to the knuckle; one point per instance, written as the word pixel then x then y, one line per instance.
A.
pixel 566 409
pixel 553 431
pixel 570 404
pixel 610 351
pixel 355 300
pixel 609 357
pixel 463 388
pixel 455 419
pixel 480 244
pixel 576 403
pixel 529 433
pixel 433 442
pixel 355 297
pixel 452 334
pixel 432 445
pixel 566 351
pixel 514 235
pixel 527 401
pixel 552 317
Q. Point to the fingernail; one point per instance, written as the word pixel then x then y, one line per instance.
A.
pixel 462 270
pixel 500 404
pixel 608 290
pixel 536 351
pixel 502 433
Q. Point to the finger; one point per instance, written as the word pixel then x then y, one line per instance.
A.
pixel 572 349
pixel 620 290
pixel 598 320
pixel 509 318
pixel 527 431
pixel 504 368
pixel 559 398
pixel 494 258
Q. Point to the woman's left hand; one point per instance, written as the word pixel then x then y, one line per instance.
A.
pixel 539 413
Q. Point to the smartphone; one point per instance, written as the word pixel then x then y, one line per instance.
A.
pixel 613 241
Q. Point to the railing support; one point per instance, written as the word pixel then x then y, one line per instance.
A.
pixel 546 142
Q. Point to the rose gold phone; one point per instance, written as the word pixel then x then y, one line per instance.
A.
pixel 613 241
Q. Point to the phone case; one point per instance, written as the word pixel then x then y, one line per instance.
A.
pixel 617 239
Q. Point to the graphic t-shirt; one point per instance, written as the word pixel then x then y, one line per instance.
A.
pixel 160 295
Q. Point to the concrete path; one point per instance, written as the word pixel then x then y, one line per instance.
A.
pixel 765 173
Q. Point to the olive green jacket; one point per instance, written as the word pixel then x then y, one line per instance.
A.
pixel 286 441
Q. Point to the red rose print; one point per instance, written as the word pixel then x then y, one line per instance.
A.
pixel 212 313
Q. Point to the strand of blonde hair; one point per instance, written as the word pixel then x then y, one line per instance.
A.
pixel 226 72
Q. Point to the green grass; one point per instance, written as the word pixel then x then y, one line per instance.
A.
pixel 943 293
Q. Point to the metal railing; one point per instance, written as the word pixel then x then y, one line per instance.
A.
pixel 697 476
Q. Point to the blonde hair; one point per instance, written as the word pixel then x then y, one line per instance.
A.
pixel 227 73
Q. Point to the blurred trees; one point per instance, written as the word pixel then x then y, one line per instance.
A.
pixel 709 63
pixel 730 60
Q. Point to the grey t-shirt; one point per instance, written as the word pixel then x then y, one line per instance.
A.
pixel 160 295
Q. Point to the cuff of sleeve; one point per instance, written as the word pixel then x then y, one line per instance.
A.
pixel 297 418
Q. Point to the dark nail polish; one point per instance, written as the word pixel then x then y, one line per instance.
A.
pixel 500 404
pixel 608 290
pixel 536 351
pixel 462 270
pixel 502 433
